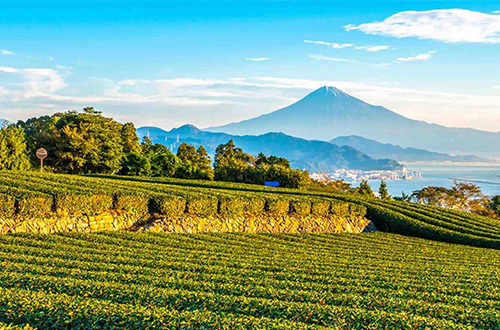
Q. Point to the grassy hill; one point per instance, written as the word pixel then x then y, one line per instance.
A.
pixel 124 280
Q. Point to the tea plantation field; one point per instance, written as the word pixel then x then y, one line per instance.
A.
pixel 140 280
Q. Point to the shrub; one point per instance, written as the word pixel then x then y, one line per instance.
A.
pixel 6 206
pixel 137 204
pixel 277 206
pixel 301 208
pixel 167 205
pixel 320 208
pixel 202 206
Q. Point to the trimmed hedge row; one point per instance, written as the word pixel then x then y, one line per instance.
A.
pixel 87 196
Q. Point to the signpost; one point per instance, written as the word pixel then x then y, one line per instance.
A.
pixel 41 154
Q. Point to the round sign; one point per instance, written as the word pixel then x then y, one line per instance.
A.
pixel 41 153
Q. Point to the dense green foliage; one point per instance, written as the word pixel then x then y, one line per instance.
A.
pixel 77 142
pixel 124 280
pixel 234 165
pixel 13 155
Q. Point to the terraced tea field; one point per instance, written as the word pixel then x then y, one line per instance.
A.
pixel 134 280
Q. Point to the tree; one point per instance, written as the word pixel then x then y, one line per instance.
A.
pixel 382 190
pixel 195 163
pixel 495 204
pixel 364 189
pixel 130 140
pixel 404 197
pixel 232 164
pixel 13 149
pixel 78 143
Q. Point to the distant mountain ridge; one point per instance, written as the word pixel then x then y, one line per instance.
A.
pixel 328 112
pixel 386 150
pixel 315 156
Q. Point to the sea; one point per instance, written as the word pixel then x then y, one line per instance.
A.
pixel 486 176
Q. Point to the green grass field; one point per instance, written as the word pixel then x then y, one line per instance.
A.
pixel 125 280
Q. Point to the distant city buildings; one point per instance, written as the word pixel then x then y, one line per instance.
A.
pixel 352 176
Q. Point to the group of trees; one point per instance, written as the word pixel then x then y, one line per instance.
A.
pixel 232 164
pixel 87 142
pixel 462 196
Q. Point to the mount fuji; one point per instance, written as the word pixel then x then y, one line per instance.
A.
pixel 328 112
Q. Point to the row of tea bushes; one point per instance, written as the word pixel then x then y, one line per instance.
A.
pixel 28 195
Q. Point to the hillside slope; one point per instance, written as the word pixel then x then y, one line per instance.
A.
pixel 328 113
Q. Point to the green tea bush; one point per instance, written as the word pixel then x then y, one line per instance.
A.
pixel 6 206
pixel 277 206
pixel 137 204
pixel 74 204
pixel 167 205
pixel 321 208
pixel 301 208
pixel 203 206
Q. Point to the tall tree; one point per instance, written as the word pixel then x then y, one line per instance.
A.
pixel 365 189
pixel 130 140
pixel 13 150
pixel 382 190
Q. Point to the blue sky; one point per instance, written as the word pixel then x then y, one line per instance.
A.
pixel 168 63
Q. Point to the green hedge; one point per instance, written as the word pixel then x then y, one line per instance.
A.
pixel 301 208
pixel 277 206
pixel 233 205
pixel 204 206
pixel 321 209
pixel 340 209
pixel 167 205
pixel 34 206
pixel 83 204
pixel 137 204
pixel 7 207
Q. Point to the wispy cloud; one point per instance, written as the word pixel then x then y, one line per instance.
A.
pixel 331 59
pixel 6 52
pixel 257 59
pixel 335 45
pixel 372 49
pixel 496 87
pixel 208 102
pixel 446 25
pixel 418 57
pixel 330 44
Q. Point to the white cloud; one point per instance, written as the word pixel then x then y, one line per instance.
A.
pixel 257 59
pixel 373 48
pixel 331 59
pixel 6 69
pixel 340 46
pixel 496 87
pixel 208 102
pixel 330 44
pixel 418 57
pixel 446 25
pixel 6 52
